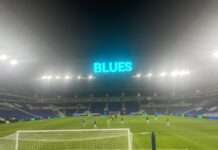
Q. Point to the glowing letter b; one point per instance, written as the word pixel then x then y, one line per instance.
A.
pixel 97 68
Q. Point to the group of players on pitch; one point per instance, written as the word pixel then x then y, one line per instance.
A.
pixel 155 118
pixel 113 117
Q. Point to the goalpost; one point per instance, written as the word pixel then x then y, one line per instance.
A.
pixel 82 139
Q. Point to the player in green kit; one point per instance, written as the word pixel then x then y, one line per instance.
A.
pixel 122 120
pixel 168 122
pixel 84 123
pixel 147 120
pixel 155 117
pixel 95 124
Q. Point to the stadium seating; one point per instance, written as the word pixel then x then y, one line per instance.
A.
pixel 98 107
pixel 115 106
pixel 132 106
pixel 22 110
pixel 14 114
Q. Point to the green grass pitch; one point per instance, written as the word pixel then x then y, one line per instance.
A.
pixel 182 134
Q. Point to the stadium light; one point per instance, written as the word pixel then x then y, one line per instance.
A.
pixel 138 75
pixel 163 74
pixel 90 77
pixel 78 77
pixel 149 75
pixel 216 54
pixel 174 73
pixel 13 62
pixel 67 77
pixel 49 77
pixel 57 77
pixel 3 57
pixel 44 77
pixel 182 73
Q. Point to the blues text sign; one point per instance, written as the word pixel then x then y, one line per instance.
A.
pixel 112 67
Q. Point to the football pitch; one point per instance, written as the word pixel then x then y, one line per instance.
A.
pixel 182 134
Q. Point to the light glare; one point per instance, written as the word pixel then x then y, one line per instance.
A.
pixel 90 77
pixel 67 77
pixel 163 74
pixel 187 72
pixel 182 73
pixel 138 75
pixel 3 57
pixel 44 77
pixel 13 62
pixel 49 77
pixel 149 75
pixel 57 77
pixel 174 73
pixel 216 54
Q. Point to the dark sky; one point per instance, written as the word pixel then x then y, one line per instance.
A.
pixel 91 29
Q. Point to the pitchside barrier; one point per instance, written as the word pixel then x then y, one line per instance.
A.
pixel 84 139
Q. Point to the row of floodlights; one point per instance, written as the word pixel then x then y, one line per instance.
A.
pixel 174 73
pixel 4 57
pixel 66 77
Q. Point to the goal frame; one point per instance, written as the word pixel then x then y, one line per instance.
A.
pixel 43 131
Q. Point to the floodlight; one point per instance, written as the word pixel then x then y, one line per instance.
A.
pixel 67 77
pixel 49 77
pixel 149 75
pixel 78 77
pixel 174 73
pixel 3 57
pixel 163 74
pixel 57 77
pixel 90 77
pixel 44 77
pixel 138 75
pixel 13 62
pixel 216 54
pixel 182 73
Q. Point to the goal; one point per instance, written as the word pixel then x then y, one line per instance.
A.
pixel 85 139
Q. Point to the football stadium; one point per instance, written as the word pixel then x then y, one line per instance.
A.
pixel 108 75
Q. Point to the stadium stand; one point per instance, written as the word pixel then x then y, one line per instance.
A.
pixel 132 106
pixel 15 107
pixel 115 106
pixel 98 107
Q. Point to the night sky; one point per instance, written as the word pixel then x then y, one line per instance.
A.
pixel 77 32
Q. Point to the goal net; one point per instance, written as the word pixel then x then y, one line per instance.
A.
pixel 86 139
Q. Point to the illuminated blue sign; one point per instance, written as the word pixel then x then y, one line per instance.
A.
pixel 112 67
